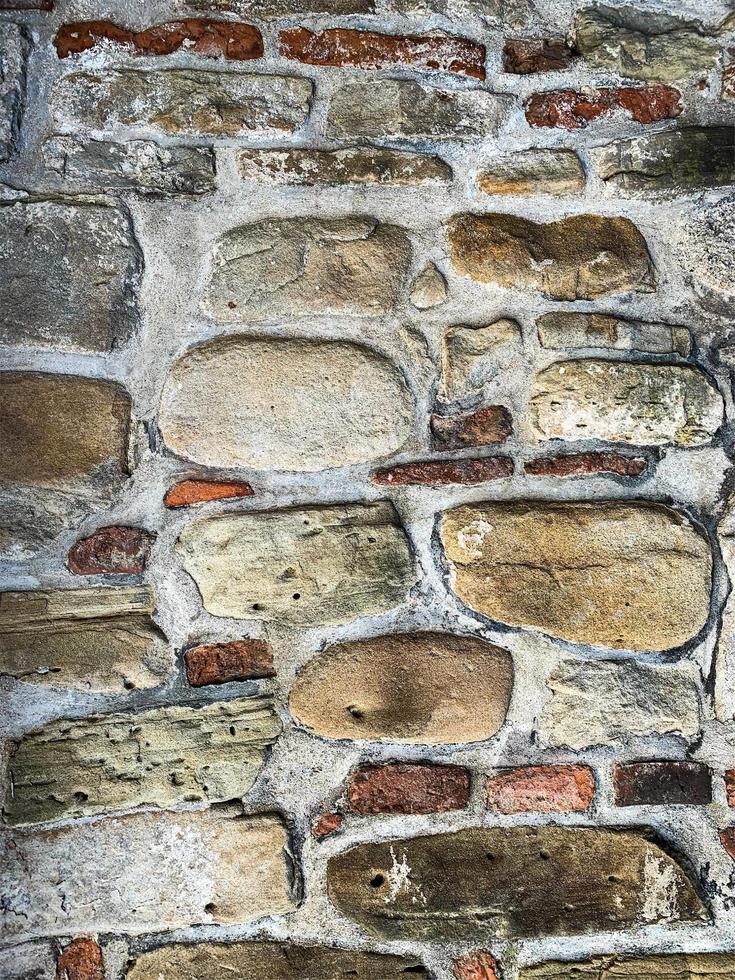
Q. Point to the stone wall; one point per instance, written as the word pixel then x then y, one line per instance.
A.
pixel 366 427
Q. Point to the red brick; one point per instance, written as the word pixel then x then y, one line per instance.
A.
pixel 80 960
pixel 662 783
pixel 568 109
pixel 218 663
pixel 727 839
pixel 343 47
pixel 408 788
pixel 542 789
pixel 211 38
pixel 477 965
pixel 437 473
pixel 522 56
pixel 190 492
pixel 580 464
pixel 111 551
pixel 484 427
pixel 326 825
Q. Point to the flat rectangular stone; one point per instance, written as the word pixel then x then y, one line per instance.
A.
pixel 14 48
pixel 567 330
pixel 144 873
pixel 272 9
pixel 677 966
pixel 351 165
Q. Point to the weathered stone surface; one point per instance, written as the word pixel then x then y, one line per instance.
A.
pixel 644 404
pixel 344 47
pixel 351 165
pixel 111 551
pixel 302 267
pixel 671 162
pixel 438 473
pixel 182 102
pixel 583 257
pixel 630 575
pixel 70 274
pixel 526 56
pixel 150 758
pixel 472 357
pixel 585 464
pixel 14 48
pixel 81 433
pixel 499 13
pixel 393 107
pixel 567 330
pixel 727 839
pixel 421 688
pixel 662 783
pixel 190 492
pixel 28 961
pixel 534 172
pixel 300 566
pixel 704 247
pixel 84 639
pixel 272 9
pixel 144 873
pixel 610 702
pixel 81 960
pixel 643 44
pixel 567 109
pixel 683 966
pixel 211 38
pixel 408 787
pixel 429 289
pixel 327 824
pixel 729 776
pixel 276 403
pixel 219 663
pixel 139 165
pixel 466 884
pixel 26 4
pixel 274 961
pixel 485 427
pixel 542 789
pixel 477 965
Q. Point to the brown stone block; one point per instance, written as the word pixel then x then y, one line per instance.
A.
pixel 111 551
pixel 542 789
pixel 526 56
pixel 80 960
pixel 408 788
pixel 586 464
pixel 662 783
pixel 218 663
pixel 484 427
pixel 189 492
pixel 438 473
pixel 212 38
pixel 567 109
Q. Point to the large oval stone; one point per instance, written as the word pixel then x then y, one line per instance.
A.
pixel 284 404
pixel 511 881
pixel 426 688
pixel 624 575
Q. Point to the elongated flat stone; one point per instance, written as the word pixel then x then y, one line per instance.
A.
pixel 350 165
pixel 300 566
pixel 511 881
pixel 150 758
pixel 630 575
pixel 85 639
pixel 534 172
pixel 14 49
pixel 424 688
pixel 679 966
pixel 566 330
pixel 274 961
pixel 144 873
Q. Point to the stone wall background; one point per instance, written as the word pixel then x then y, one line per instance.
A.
pixel 112 271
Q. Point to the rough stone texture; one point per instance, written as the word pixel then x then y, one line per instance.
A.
pixel 485 427
pixel 644 404
pixel 211 38
pixel 429 289
pixel 704 250
pixel 575 881
pixel 422 688
pixel 327 824
pixel 567 109
pixel 70 272
pixel 190 492
pixel 643 44
pixel 140 165
pixel 14 49
pixel 272 9
pixel 542 789
pixel 472 357
pixel 83 639
pixel 219 663
pixel 408 788
pixel 730 786
pixel 586 464
pixel 631 575
pixel 534 172
pixel 662 784
pixel 351 165
pixel 582 257
pixel 527 56
pixel 392 107
pixel 727 839
pixel 307 267
pixel 566 330
pixel 676 161
pixel 300 566
pixel 437 473
pixel 111 551
pixel 81 433
pixel 179 102
pixel 686 966
pixel 274 961
pixel 26 4
pixel 477 965
pixel 284 404
pixel 150 758
pixel 609 702
pixel 144 873
pixel 82 959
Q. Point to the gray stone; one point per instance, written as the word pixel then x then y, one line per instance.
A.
pixel 534 172
pixel 70 276
pixel 502 13
pixel 273 9
pixel 30 961
pixel 473 357
pixel 704 246
pixel 429 288
pixel 14 48
pixel 351 165
pixel 567 330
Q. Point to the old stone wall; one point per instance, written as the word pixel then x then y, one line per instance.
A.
pixel 366 491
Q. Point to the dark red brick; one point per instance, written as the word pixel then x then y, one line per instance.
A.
pixel 327 824
pixel 662 783
pixel 80 960
pixel 190 492
pixel 218 663
pixel 343 47
pixel 111 551
pixel 477 965
pixel 727 839
pixel 408 788
pixel 211 38
pixel 438 473
pixel 526 56
pixel 581 464
pixel 542 789
pixel 567 109
pixel 484 427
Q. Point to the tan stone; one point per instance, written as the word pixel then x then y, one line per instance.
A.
pixel 534 172
pixel 679 966
pixel 144 873
pixel 422 688
pixel 566 330
pixel 350 165
pixel 300 566
pixel 284 404
pixel 429 289
pixel 623 575
pixel 473 357
pixel 84 639
pixel 725 650
pixel 620 401
pixel 307 267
